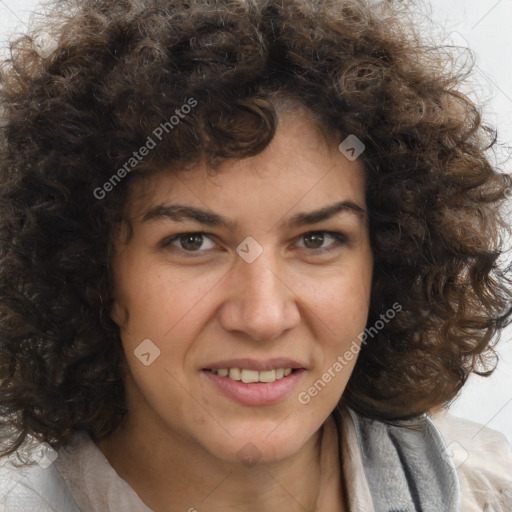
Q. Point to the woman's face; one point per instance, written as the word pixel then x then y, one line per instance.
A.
pixel 256 291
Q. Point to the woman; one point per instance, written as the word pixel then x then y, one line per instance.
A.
pixel 250 251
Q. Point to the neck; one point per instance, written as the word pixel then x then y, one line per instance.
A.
pixel 174 473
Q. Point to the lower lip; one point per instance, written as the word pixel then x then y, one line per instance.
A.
pixel 257 393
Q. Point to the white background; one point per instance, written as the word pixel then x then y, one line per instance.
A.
pixel 485 27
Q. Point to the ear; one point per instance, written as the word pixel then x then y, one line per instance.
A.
pixel 118 313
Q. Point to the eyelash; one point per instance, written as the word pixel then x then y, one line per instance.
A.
pixel 339 240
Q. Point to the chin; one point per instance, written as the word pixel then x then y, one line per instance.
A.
pixel 250 446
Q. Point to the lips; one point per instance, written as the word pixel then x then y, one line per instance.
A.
pixel 253 364
pixel 255 383
pixel 254 394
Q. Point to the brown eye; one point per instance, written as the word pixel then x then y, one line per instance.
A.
pixel 192 241
pixel 313 240
pixel 189 243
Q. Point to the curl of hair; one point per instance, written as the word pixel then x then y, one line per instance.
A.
pixel 72 116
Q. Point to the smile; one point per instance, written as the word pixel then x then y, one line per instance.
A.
pixel 253 376
pixel 255 388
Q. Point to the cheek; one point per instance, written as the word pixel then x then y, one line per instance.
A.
pixel 161 304
pixel 342 311
pixel 169 308
pixel 341 304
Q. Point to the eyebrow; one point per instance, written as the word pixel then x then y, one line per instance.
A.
pixel 327 212
pixel 180 213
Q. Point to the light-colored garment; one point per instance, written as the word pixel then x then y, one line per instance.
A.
pixel 446 465
pixel 484 464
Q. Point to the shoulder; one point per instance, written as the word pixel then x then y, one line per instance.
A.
pixel 483 459
pixel 34 486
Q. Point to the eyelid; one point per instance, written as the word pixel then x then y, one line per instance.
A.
pixel 340 239
pixel 166 243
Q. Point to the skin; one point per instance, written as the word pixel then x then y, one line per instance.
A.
pixel 178 447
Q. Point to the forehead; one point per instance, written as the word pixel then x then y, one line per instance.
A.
pixel 300 165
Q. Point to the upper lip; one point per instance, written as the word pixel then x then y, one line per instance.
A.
pixel 253 364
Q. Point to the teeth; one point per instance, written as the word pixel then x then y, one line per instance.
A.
pixel 235 374
pixel 251 376
pixel 267 376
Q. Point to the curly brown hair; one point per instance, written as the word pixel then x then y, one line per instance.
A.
pixel 72 116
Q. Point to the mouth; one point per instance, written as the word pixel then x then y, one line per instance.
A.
pixel 248 376
pixel 253 388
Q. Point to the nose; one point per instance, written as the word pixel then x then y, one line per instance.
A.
pixel 259 301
